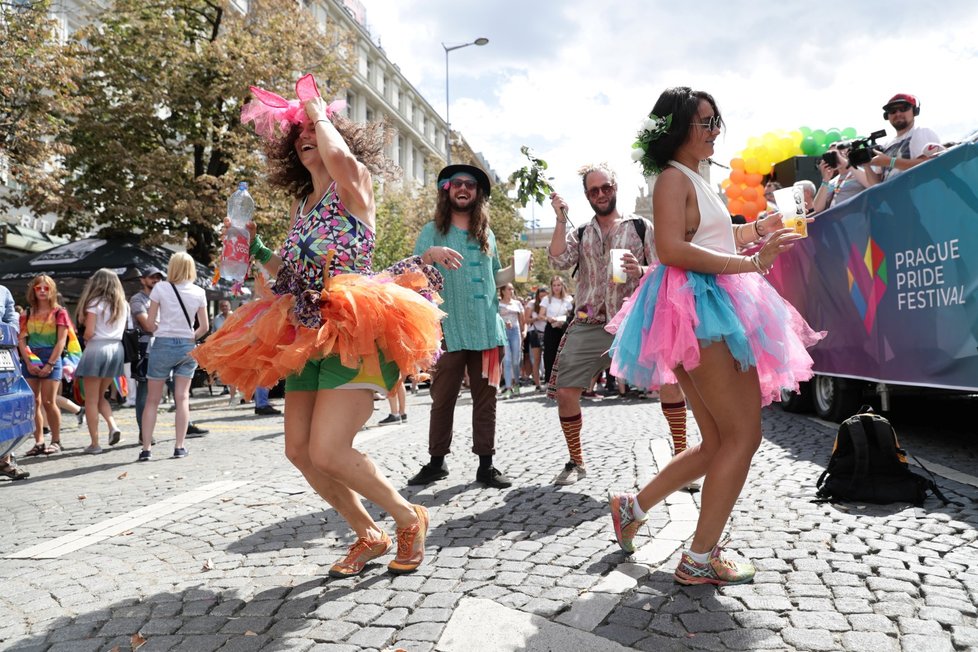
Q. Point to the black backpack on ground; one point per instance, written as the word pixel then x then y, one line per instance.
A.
pixel 868 465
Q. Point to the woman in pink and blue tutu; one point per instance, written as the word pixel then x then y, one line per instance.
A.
pixel 705 317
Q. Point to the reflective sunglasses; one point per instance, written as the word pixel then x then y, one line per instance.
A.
pixel 897 108
pixel 710 125
pixel 606 189
pixel 468 184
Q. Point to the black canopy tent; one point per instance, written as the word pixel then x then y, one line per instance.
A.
pixel 70 265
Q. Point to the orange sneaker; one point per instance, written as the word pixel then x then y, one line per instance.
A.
pixel 410 544
pixel 361 552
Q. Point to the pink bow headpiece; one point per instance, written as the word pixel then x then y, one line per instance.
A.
pixel 268 109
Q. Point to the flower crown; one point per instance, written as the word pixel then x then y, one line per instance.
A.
pixel 651 130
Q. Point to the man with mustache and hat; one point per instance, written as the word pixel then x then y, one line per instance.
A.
pixel 907 148
pixel 459 242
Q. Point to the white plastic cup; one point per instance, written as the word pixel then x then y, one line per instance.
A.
pixel 521 264
pixel 617 266
pixel 791 204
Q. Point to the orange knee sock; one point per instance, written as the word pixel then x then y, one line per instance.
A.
pixel 572 435
pixel 675 414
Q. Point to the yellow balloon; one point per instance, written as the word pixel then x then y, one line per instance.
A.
pixel 753 142
pixel 796 138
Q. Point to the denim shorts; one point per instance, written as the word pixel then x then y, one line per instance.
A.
pixel 44 353
pixel 168 354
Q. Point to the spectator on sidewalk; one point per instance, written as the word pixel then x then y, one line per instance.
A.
pixel 10 316
pixel 139 307
pixel 557 307
pixel 263 406
pixel 397 400
pixel 223 312
pixel 103 311
pixel 461 244
pixel 583 350
pixel 906 149
pixel 172 305
pixel 536 324
pixel 511 310
pixel 43 336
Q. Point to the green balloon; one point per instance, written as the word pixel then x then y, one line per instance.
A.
pixel 808 146
pixel 832 136
pixel 805 131
pixel 849 132
pixel 819 136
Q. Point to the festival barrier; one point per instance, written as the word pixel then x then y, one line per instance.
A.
pixel 892 275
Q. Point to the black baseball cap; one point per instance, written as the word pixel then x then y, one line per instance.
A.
pixel 153 271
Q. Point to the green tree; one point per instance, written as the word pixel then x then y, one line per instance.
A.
pixel 38 76
pixel 161 145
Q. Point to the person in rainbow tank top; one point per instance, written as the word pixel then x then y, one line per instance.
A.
pixel 43 336
pixel 705 317
pixel 332 328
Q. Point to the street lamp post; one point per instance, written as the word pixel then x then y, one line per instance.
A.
pixel 448 121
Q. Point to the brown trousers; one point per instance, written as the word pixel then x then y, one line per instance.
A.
pixel 446 381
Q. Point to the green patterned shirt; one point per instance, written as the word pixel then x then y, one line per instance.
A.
pixel 471 300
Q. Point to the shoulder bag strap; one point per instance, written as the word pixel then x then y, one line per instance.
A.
pixel 183 307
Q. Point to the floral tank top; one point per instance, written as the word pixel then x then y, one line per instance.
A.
pixel 328 226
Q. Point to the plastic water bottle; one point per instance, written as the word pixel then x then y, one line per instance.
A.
pixel 237 241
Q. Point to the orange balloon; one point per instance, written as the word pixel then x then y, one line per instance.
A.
pixel 749 193
pixel 754 179
pixel 737 164
pixel 750 211
pixel 736 206
pixel 737 176
pixel 733 191
pixel 725 183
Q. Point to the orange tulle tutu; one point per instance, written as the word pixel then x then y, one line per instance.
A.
pixel 262 342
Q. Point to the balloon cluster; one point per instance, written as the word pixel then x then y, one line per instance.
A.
pixel 744 189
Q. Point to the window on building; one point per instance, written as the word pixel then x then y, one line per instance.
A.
pixel 370 71
pixel 402 151
pixel 370 114
pixel 350 104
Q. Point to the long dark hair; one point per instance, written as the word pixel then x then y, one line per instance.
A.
pixel 683 103
pixel 478 223
pixel 366 140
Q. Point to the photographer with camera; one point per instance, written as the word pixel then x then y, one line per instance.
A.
pixel 840 179
pixel 906 149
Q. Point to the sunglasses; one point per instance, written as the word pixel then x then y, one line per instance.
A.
pixel 898 108
pixel 606 189
pixel 710 125
pixel 468 184
pixel 42 288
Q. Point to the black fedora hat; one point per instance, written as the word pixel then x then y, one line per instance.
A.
pixel 476 173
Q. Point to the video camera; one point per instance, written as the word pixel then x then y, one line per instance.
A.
pixel 861 150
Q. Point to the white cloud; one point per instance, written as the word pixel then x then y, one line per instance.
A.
pixel 573 79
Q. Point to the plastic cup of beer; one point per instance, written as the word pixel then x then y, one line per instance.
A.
pixel 791 204
pixel 617 267
pixel 521 264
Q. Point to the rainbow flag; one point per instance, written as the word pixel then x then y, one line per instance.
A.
pixel 32 358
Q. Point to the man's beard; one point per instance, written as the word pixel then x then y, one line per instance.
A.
pixel 612 205
pixel 469 208
pixel 900 123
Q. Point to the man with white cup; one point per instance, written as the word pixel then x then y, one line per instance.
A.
pixel 583 353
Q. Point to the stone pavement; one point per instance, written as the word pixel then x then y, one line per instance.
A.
pixel 227 549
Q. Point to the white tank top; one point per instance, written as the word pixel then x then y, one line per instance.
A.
pixel 715 231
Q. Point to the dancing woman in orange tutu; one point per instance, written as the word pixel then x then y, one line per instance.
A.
pixel 331 322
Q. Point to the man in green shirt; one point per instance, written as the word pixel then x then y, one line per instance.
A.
pixel 461 244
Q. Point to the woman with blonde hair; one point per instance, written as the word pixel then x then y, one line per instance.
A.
pixel 172 305
pixel 102 314
pixel 43 334
pixel 556 308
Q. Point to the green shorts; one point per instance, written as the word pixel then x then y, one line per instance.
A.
pixel 328 373
pixel 584 354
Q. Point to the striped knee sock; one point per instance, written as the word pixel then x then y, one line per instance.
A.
pixel 572 435
pixel 675 414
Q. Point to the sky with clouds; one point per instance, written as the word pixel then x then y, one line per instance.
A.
pixel 572 79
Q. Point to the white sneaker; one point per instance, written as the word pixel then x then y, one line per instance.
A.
pixel 570 474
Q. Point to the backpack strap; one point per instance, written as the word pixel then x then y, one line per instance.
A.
pixel 932 484
pixel 580 235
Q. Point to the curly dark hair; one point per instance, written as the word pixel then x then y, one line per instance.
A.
pixel 682 103
pixel 479 224
pixel 366 140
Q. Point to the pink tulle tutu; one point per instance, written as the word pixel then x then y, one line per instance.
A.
pixel 674 312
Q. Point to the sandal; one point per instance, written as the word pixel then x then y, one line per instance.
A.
pixel 52 448
pixel 37 450
pixel 14 472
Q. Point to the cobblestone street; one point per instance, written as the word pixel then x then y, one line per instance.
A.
pixel 228 549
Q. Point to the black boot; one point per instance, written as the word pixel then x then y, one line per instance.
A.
pixel 430 473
